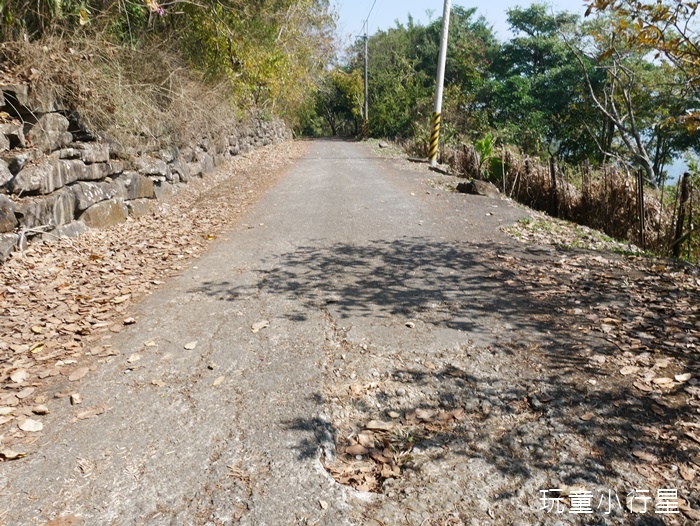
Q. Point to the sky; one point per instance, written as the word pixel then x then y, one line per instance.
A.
pixel 352 13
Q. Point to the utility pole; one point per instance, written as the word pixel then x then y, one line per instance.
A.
pixel 435 134
pixel 365 125
pixel 365 26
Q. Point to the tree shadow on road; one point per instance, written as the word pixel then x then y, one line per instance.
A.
pixel 557 404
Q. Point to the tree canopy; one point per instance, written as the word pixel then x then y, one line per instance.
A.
pixel 618 86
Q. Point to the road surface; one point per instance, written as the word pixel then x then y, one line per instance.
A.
pixel 221 404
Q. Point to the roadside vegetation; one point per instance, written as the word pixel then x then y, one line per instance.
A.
pixel 583 118
pixel 149 72
pixel 580 117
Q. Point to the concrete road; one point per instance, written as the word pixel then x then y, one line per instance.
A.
pixel 233 430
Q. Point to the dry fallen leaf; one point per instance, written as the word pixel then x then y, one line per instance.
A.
pixel 425 414
pixel 356 449
pixel 661 380
pixel 90 413
pixel 379 457
pixel 190 346
pixel 692 436
pixel 45 373
pixel 78 374
pixel 587 416
pixel 366 439
pixel 690 512
pixel 25 393
pixel 31 426
pixel 390 471
pixel 218 381
pixel 66 520
pixel 683 377
pixel 658 410
pixel 133 358
pixel 687 473
pixel 11 454
pixel 629 369
pixel 378 425
pixel 662 363
pixel 19 376
pixel 129 321
pixel 643 387
pixel 641 454
pixel 121 299
pixel 259 325
pixel 323 504
pixel 458 414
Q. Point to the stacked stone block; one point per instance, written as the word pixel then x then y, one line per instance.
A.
pixel 58 178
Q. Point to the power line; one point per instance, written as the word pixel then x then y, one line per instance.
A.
pixel 368 14
pixel 365 28
pixel 365 125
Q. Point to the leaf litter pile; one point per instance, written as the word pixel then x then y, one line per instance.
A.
pixel 61 298
pixel 600 393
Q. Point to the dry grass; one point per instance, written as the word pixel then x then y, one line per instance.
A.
pixel 604 199
pixel 143 98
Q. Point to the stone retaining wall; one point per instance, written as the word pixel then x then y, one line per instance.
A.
pixel 58 177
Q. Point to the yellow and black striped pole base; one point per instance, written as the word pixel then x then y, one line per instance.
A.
pixel 434 139
pixel 365 129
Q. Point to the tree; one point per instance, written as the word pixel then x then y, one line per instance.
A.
pixel 339 101
pixel 536 94
pixel 669 27
pixel 272 52
pixel 402 71
pixel 636 97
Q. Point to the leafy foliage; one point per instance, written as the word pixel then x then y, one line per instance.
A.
pixel 484 147
pixel 402 70
pixel 337 106
pixel 528 91
pixel 272 52
pixel 669 27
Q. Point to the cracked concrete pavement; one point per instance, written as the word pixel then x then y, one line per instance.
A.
pixel 232 431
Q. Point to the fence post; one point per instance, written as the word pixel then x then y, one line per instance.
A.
pixel 679 238
pixel 553 197
pixel 503 168
pixel 640 208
